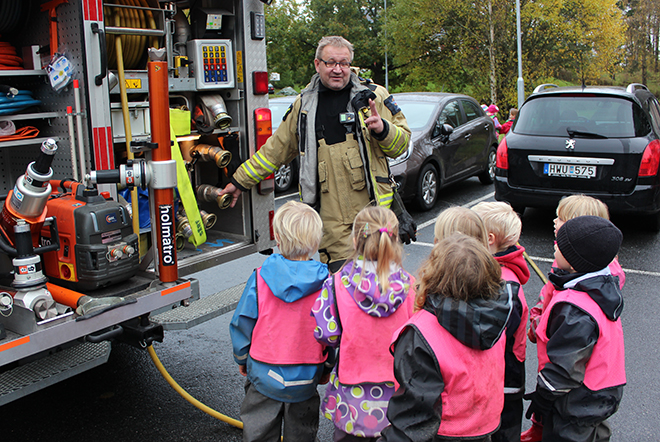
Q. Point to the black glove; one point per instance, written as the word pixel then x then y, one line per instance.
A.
pixel 361 99
pixel 540 406
pixel 407 228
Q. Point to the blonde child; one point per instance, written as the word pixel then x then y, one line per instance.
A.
pixel 580 344
pixel 272 333
pixel 568 208
pixel 503 227
pixel 571 207
pixel 360 307
pixel 449 357
pixel 458 219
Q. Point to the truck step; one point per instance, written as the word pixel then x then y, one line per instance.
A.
pixel 41 373
pixel 209 307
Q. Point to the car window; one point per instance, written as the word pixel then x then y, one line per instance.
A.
pixel 451 115
pixel 471 110
pixel 609 116
pixel 654 110
pixel 417 113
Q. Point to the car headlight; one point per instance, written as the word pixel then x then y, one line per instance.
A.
pixel 404 157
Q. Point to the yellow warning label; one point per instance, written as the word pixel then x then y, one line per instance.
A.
pixel 239 66
pixel 133 83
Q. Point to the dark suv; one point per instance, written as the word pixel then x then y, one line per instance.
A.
pixel 599 141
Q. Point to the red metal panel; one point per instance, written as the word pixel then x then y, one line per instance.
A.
pixel 90 10
pixel 111 154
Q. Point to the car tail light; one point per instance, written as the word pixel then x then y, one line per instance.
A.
pixel 502 161
pixel 650 159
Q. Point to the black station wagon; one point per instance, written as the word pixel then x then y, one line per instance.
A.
pixel 600 141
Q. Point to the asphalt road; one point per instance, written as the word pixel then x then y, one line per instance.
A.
pixel 127 399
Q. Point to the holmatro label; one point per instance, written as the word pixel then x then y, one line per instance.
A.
pixel 168 248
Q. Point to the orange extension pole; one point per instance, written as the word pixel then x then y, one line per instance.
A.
pixel 64 296
pixel 159 107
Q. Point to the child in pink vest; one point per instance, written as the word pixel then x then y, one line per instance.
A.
pixel 504 227
pixel 579 336
pixel 272 333
pixel 568 208
pixel 358 309
pixel 449 357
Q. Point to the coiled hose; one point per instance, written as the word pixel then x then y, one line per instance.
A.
pixel 205 408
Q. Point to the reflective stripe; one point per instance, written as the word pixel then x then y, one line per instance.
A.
pixel 512 390
pixel 281 380
pixel 241 358
pixel 392 145
pixel 550 387
pixel 386 199
pixel 270 167
pixel 250 172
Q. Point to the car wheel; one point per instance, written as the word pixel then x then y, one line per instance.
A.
pixel 488 175
pixel 427 187
pixel 284 178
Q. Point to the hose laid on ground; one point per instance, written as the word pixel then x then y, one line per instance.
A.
pixel 535 267
pixel 206 409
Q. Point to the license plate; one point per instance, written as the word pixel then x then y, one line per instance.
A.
pixel 569 170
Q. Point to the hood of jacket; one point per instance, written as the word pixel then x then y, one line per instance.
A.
pixel 513 259
pixel 361 281
pixel 292 280
pixel 477 323
pixel 601 286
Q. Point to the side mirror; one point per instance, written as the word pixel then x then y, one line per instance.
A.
pixel 442 130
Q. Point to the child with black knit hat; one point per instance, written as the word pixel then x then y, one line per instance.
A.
pixel 579 336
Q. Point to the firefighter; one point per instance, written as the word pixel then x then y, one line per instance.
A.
pixel 343 131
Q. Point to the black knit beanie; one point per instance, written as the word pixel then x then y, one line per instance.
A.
pixel 589 243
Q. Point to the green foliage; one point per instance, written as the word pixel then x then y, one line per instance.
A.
pixel 446 45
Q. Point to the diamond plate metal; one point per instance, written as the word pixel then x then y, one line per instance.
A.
pixel 209 307
pixel 42 373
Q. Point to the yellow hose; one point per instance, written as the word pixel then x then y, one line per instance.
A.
pixel 535 267
pixel 206 409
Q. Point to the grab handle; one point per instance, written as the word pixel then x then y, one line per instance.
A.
pixel 104 54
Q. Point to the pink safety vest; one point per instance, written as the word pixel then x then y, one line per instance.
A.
pixel 520 336
pixel 364 352
pixel 284 332
pixel 606 367
pixel 473 398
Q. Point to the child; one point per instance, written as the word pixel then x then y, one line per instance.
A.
pixel 568 208
pixel 272 333
pixel 449 358
pixel 508 123
pixel 458 219
pixel 571 207
pixel 506 126
pixel 362 305
pixel 492 113
pixel 579 336
pixel 504 227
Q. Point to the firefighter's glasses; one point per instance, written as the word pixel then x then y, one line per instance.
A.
pixel 333 64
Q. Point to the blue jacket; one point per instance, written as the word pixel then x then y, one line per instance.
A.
pixel 289 281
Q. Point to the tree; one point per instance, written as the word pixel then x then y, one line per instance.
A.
pixel 359 21
pixel 289 51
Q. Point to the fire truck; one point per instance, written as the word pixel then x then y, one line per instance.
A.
pixel 120 122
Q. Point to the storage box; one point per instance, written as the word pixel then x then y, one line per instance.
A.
pixel 138 118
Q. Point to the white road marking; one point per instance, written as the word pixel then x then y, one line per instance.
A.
pixel 468 205
pixel 534 258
